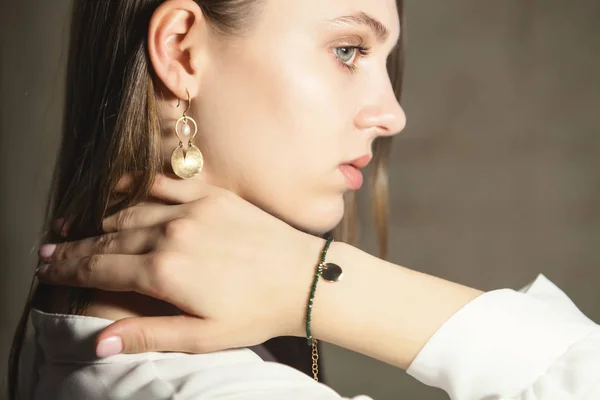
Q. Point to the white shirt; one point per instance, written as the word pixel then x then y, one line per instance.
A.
pixel 532 344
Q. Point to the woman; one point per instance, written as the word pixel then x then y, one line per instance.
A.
pixel 137 67
pixel 311 121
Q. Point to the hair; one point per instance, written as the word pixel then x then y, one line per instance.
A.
pixel 111 127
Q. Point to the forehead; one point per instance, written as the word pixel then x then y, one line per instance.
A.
pixel 311 14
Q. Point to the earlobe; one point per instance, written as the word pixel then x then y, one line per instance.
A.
pixel 174 39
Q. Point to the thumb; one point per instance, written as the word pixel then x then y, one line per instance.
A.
pixel 181 333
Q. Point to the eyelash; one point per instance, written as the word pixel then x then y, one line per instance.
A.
pixel 362 52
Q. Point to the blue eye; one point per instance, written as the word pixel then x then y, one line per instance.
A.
pixel 347 55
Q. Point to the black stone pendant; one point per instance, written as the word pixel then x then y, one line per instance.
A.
pixel 332 272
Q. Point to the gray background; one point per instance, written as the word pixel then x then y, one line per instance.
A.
pixel 494 180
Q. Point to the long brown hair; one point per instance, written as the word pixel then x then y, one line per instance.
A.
pixel 111 127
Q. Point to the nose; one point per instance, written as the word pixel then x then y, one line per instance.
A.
pixel 383 118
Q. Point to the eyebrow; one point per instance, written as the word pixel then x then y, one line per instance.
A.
pixel 361 18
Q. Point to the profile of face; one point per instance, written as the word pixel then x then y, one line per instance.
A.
pixel 288 111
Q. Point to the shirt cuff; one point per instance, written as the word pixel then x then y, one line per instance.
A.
pixel 501 342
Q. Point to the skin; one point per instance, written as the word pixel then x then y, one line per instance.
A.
pixel 382 310
pixel 284 90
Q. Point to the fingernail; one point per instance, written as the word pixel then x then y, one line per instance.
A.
pixel 47 250
pixel 42 269
pixel 109 347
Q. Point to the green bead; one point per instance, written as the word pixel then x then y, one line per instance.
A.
pixel 329 275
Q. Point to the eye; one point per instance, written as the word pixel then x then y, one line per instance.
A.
pixel 347 55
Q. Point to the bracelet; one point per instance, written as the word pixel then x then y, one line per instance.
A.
pixel 331 273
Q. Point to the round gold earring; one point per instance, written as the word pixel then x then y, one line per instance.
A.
pixel 186 163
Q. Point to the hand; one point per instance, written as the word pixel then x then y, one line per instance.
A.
pixel 240 275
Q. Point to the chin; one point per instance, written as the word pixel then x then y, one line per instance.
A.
pixel 319 218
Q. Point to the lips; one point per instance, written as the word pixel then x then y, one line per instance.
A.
pixel 361 162
pixel 352 173
pixel 354 177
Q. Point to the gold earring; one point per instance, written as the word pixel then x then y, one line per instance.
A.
pixel 186 163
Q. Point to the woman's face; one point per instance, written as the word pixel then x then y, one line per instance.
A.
pixel 283 111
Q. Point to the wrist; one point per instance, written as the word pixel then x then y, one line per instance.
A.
pixel 326 304
pixel 315 248
pixel 302 252
pixel 309 249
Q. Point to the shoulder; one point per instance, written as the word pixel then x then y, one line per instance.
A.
pixel 234 374
pixel 69 369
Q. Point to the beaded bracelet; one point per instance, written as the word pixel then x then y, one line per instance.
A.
pixel 331 273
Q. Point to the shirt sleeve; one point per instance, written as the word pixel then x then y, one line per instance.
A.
pixel 532 344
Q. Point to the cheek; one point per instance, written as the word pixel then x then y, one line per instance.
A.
pixel 271 128
pixel 311 111
pixel 309 117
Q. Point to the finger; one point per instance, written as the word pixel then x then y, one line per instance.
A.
pixel 171 188
pixel 112 272
pixel 179 191
pixel 180 333
pixel 141 216
pixel 124 184
pixel 131 241
pixel 61 227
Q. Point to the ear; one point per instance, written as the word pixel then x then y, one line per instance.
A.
pixel 177 35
